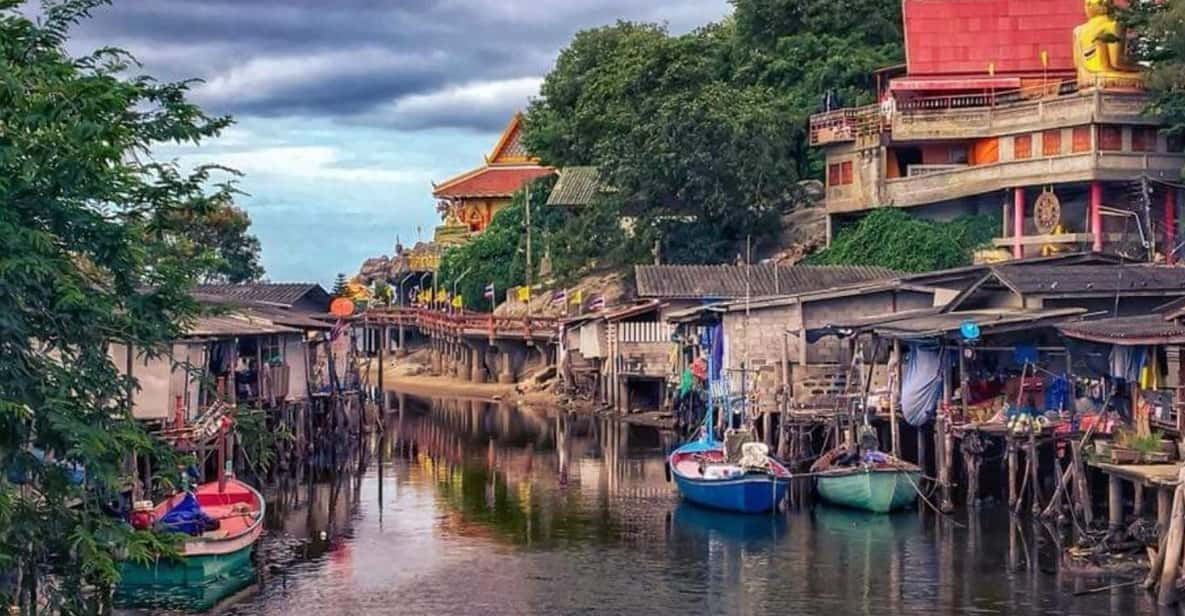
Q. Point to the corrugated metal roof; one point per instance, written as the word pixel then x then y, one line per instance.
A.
pixel 576 186
pixel 1133 330
pixel 729 281
pixel 935 325
pixel 1091 279
pixel 235 324
pixel 276 293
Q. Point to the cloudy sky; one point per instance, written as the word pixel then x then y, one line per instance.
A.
pixel 347 109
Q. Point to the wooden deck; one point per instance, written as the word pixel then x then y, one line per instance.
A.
pixel 1151 475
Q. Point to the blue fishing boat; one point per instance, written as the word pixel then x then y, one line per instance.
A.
pixel 708 474
pixel 756 483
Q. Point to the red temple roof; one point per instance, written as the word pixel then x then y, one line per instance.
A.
pixel 489 181
pixel 966 37
pixel 508 166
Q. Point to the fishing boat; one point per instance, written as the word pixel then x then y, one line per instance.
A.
pixel 874 481
pixel 753 482
pixel 224 520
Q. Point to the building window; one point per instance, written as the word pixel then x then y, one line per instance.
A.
pixel 1051 142
pixel 1081 139
pixel 1110 138
pixel 271 350
pixel 845 172
pixel 1144 139
pixel 957 155
pixel 833 174
pixel 1022 146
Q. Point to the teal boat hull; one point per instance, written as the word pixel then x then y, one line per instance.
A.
pixel 875 490
pixel 192 582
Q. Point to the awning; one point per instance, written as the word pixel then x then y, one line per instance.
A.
pixel 1127 331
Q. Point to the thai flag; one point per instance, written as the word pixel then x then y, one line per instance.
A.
pixel 489 291
pixel 559 298
pixel 597 303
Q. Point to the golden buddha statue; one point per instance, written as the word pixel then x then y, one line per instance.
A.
pixel 1100 48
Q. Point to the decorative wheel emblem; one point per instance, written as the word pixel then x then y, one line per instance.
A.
pixel 1047 212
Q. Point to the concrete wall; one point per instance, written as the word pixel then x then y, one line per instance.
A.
pixel 847 309
pixel 160 381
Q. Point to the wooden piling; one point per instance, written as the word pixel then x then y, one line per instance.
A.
pixel 1114 504
pixel 895 399
pixel 1011 455
pixel 1171 557
pixel 1034 471
pixel 1164 506
pixel 1081 487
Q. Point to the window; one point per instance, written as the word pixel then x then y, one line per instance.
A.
pixel 271 350
pixel 1144 139
pixel 957 155
pixel 1022 146
pixel 845 172
pixel 833 174
pixel 1081 139
pixel 1051 142
pixel 1110 138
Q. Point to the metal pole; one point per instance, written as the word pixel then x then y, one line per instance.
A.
pixel 460 278
pixel 530 277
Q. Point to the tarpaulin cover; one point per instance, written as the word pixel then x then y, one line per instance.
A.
pixel 187 517
pixel 921 383
pixel 717 352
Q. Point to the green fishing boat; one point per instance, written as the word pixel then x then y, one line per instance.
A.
pixel 879 483
pixel 212 562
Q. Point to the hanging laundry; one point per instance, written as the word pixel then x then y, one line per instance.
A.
pixel 1126 362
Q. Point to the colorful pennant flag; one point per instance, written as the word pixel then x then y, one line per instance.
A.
pixel 457 302
pixel 523 293
pixel 597 303
pixel 559 297
pixel 576 297
pixel 489 291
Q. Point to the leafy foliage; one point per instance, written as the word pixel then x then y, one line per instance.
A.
pixel 891 238
pixel 340 289
pixel 498 253
pixel 89 257
pixel 709 124
pixel 1159 43
pixel 222 233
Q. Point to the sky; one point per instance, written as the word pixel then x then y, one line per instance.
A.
pixel 347 110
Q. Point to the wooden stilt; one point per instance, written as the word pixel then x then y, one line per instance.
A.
pixel 1164 507
pixel 971 462
pixel 948 458
pixel 1081 487
pixel 1034 474
pixel 1138 500
pixel 1114 504
pixel 895 399
pixel 1011 455
pixel 1167 593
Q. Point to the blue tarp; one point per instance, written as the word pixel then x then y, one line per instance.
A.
pixel 921 382
pixel 717 351
pixel 187 517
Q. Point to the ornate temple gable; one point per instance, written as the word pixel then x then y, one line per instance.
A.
pixel 509 148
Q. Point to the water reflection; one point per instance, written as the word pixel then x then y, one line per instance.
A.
pixel 463 506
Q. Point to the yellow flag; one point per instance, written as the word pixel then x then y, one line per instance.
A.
pixel 523 293
pixel 576 297
pixel 1044 58
pixel 457 301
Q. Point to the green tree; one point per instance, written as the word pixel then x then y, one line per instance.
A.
pixel 223 231
pixel 87 260
pixel 498 254
pixel 339 286
pixel 703 134
pixel 1159 43
pixel 891 238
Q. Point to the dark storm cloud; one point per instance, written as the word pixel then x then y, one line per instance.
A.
pixel 400 63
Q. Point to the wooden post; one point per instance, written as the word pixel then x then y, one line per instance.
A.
pixel 895 399
pixel 947 457
pixel 1138 499
pixel 1114 503
pixel 971 460
pixel 1167 593
pixel 1012 492
pixel 1081 487
pixel 1164 506
pixel 1033 462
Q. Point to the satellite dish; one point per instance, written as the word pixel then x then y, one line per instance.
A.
pixel 341 307
pixel 969 329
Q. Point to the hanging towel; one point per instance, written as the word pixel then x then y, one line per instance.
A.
pixel 921 384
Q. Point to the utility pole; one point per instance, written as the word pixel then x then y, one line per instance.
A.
pixel 530 275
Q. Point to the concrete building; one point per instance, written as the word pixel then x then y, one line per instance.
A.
pixel 995 113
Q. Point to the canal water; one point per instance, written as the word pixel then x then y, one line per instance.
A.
pixel 468 507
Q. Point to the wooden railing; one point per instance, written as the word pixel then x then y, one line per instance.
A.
pixel 459 322
pixel 846 124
